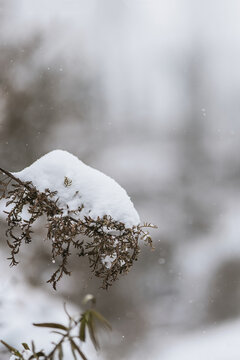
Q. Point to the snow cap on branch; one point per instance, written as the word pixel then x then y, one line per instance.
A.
pixel 80 186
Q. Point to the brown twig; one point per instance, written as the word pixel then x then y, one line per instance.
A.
pixel 15 178
pixel 109 255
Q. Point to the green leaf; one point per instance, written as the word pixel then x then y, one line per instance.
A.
pixel 76 348
pixel 101 318
pixel 60 352
pixel 33 347
pixel 57 332
pixel 91 331
pixel 82 329
pixel 51 325
pixel 73 349
pixel 25 345
pixel 40 353
pixel 12 349
pixel 86 315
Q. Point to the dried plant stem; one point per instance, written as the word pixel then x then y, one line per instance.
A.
pixel 112 248
pixel 15 178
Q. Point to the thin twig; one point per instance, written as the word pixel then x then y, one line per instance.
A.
pixel 15 178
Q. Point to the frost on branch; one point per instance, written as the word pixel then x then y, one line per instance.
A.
pixel 76 200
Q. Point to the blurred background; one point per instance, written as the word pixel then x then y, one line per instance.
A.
pixel 148 92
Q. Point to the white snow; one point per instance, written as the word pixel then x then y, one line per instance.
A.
pixel 217 343
pixel 220 342
pixel 108 260
pixel 78 184
pixel 22 304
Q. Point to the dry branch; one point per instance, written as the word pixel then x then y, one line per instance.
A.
pixel 112 248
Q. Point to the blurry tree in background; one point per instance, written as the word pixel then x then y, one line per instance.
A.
pixel 148 92
pixel 39 97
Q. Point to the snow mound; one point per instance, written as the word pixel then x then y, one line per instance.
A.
pixel 78 184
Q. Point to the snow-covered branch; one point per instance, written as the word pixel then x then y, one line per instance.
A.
pixel 76 200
